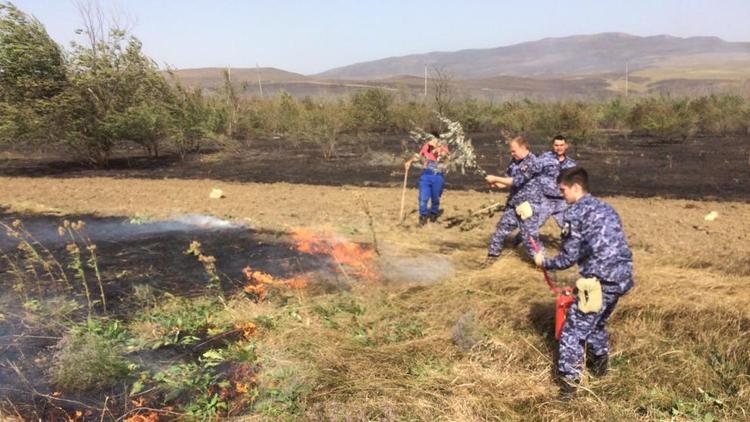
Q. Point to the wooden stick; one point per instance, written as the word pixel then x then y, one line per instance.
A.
pixel 403 197
pixel 495 205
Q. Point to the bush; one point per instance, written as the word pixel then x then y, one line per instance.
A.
pixel 323 124
pixel 614 115
pixel 664 118
pixel 475 116
pixel 370 111
pixel 191 119
pixel 514 116
pixel 719 115
pixel 287 113
pixel 409 114
pixel 577 120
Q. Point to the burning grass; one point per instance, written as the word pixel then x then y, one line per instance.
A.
pixel 347 256
pixel 469 345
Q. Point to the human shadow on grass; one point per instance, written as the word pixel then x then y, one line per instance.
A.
pixel 542 321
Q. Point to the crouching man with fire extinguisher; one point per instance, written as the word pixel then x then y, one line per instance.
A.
pixel 592 237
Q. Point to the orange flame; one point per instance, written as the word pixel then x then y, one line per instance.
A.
pixel 259 281
pixel 248 329
pixel 145 417
pixel 346 254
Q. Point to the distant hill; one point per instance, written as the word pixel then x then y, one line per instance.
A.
pixel 212 77
pixel 575 67
pixel 551 57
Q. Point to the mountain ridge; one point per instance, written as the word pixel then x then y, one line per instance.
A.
pixel 552 56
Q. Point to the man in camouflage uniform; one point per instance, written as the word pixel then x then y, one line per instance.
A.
pixel 552 163
pixel 592 237
pixel 525 201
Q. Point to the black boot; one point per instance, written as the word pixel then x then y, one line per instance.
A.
pixel 422 220
pixel 597 365
pixel 433 218
pixel 568 389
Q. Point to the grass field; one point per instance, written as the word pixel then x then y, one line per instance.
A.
pixel 469 343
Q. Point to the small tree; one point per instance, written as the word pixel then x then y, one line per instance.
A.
pixel 32 74
pixel 192 118
pixel 116 93
pixel 475 115
pixel 408 114
pixel 323 124
pixel 734 119
pixel 31 64
pixel 370 110
pixel 514 116
pixel 288 113
pixel 664 118
pixel 231 104
pixel 442 90
pixel 614 115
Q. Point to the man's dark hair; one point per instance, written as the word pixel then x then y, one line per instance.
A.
pixel 435 134
pixel 559 138
pixel 574 176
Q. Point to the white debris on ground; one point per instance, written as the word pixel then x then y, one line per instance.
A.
pixel 713 215
pixel 216 194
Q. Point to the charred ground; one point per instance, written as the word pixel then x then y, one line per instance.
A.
pixel 700 168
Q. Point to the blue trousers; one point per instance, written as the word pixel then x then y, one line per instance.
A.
pixel 549 207
pixel 584 329
pixel 555 207
pixel 509 222
pixel 430 189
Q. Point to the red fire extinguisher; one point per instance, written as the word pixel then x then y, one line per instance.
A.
pixel 565 297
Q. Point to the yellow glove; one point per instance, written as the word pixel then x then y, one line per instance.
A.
pixel 589 295
pixel 524 210
pixel 539 259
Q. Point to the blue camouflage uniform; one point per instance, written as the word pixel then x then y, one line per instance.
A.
pixel 592 237
pixel 554 205
pixel 526 186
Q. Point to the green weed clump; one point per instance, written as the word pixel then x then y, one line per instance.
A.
pixel 90 357
pixel 177 321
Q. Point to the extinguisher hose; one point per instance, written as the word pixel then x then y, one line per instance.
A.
pixel 535 247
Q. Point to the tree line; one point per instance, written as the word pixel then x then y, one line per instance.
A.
pixel 104 92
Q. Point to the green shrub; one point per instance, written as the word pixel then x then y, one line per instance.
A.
pixel 719 115
pixel 577 120
pixel 370 110
pixel 90 357
pixel 614 114
pixel 514 116
pixel 664 118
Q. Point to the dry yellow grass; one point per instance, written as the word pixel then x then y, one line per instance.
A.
pixel 476 345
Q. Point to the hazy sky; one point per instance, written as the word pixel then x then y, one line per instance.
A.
pixel 313 36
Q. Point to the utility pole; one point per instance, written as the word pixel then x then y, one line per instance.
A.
pixel 260 85
pixel 230 100
pixel 626 79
